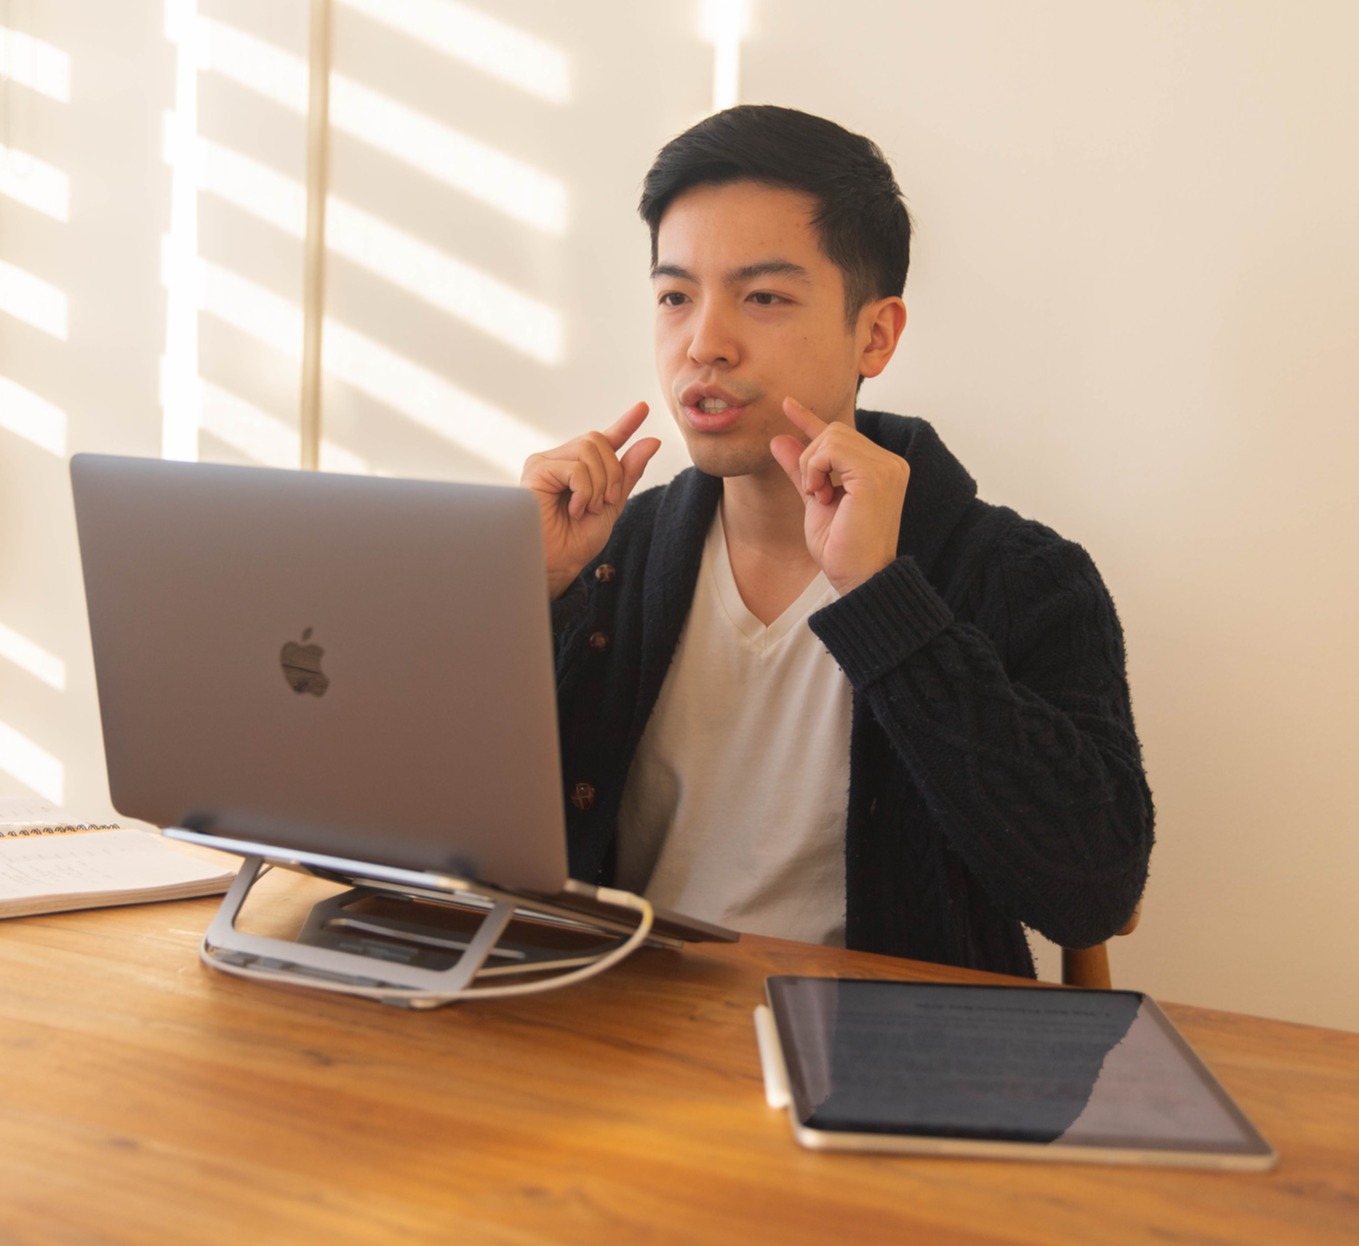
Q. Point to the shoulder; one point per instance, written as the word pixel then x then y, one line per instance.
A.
pixel 1023 553
pixel 1012 576
pixel 958 533
pixel 1035 591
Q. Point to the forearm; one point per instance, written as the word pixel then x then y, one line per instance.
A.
pixel 1034 771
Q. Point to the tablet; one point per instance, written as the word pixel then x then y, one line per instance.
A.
pixel 999 1071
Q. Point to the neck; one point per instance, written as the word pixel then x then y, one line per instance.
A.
pixel 764 514
pixel 763 524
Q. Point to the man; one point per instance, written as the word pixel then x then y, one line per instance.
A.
pixel 814 687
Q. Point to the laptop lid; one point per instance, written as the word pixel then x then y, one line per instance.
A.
pixel 347 665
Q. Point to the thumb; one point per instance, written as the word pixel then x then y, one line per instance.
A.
pixel 634 464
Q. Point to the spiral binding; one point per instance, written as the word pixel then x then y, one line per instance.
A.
pixel 11 832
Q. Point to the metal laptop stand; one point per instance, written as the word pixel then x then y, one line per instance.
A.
pixel 402 960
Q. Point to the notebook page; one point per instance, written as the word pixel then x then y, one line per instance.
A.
pixel 51 873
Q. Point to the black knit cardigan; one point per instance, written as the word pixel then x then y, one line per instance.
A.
pixel 996 780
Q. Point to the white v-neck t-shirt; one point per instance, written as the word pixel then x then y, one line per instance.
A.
pixel 734 808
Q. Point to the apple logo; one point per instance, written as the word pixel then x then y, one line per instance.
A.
pixel 302 666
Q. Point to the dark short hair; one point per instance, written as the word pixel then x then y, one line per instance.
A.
pixel 862 221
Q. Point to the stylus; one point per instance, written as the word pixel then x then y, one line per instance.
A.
pixel 776 1091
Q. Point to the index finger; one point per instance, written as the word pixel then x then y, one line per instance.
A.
pixel 629 422
pixel 804 419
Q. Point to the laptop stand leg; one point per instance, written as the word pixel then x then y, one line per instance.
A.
pixel 225 947
pixel 375 954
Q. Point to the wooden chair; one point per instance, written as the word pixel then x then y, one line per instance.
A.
pixel 1089 966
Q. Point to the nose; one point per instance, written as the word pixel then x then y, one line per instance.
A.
pixel 712 338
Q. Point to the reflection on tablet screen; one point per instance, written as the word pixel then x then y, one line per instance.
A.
pixel 1096 1069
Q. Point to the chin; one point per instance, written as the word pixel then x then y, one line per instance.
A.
pixel 714 458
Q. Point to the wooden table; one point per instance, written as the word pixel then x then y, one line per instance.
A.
pixel 146 1099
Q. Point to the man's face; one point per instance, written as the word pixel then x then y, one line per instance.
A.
pixel 749 311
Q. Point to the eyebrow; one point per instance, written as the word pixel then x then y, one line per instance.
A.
pixel 738 276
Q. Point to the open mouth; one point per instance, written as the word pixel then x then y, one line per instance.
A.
pixel 712 415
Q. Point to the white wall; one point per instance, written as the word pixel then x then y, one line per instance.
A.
pixel 83 203
pixel 1134 313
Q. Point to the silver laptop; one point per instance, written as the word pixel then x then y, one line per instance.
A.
pixel 343 674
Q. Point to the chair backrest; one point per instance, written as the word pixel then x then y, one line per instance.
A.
pixel 1089 966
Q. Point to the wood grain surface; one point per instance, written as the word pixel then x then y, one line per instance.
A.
pixel 145 1099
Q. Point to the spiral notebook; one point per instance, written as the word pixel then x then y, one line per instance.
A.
pixel 51 862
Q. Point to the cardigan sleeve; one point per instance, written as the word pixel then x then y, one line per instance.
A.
pixel 1015 725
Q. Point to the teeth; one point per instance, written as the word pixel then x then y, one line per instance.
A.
pixel 711 406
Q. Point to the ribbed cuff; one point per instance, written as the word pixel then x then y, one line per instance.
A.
pixel 881 623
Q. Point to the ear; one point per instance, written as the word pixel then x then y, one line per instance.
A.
pixel 880 326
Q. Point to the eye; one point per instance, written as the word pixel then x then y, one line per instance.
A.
pixel 672 298
pixel 766 298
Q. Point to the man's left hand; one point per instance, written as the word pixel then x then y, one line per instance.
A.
pixel 853 492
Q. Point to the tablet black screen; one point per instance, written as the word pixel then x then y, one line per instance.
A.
pixel 1099 1069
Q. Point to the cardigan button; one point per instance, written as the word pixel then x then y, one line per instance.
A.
pixel 605 574
pixel 583 796
pixel 600 641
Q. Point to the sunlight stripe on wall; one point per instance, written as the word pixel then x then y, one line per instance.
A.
pixel 264 438
pixel 34 183
pixel 179 388
pixel 485 43
pixel 463 163
pixel 725 24
pixel 440 152
pixel 34 419
pixel 34 767
pixel 30 656
pixel 485 430
pixel 34 301
pixel 416 267
pixel 29 62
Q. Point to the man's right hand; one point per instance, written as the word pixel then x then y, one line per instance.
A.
pixel 581 488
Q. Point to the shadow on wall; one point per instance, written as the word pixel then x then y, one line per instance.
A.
pixel 152 208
